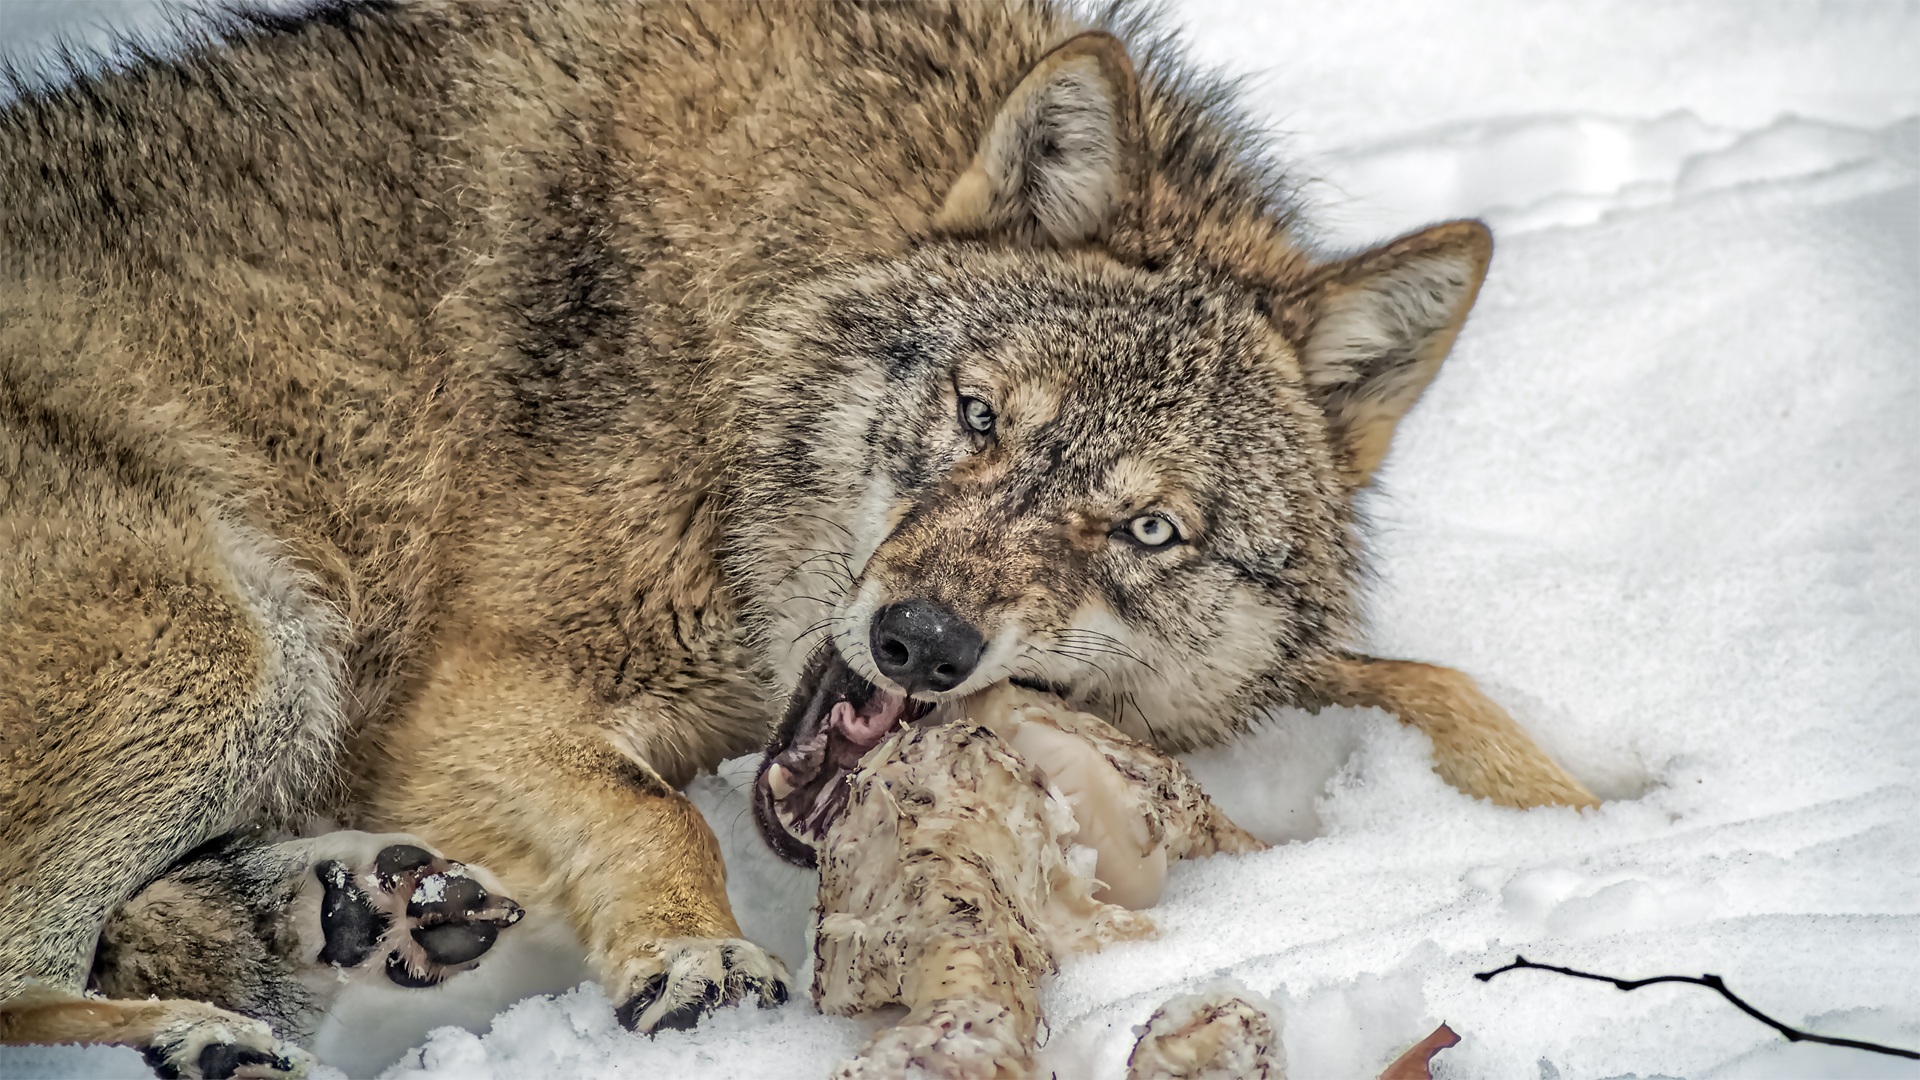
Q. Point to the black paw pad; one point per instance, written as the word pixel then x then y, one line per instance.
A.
pixel 456 919
pixel 443 896
pixel 397 860
pixel 218 1061
pixel 400 974
pixel 456 943
pixel 351 924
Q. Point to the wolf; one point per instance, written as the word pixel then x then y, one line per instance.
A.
pixel 431 433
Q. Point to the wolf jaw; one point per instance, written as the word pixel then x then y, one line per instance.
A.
pixel 834 718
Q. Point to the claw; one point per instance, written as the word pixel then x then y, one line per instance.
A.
pixel 681 980
pixel 219 1061
pixel 629 1013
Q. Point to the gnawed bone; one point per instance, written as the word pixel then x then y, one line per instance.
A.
pixel 948 884
pixel 1111 816
pixel 1224 1034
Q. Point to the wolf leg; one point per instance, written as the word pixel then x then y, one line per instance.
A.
pixel 275 931
pixel 179 1038
pixel 508 762
pixel 163 678
pixel 1477 747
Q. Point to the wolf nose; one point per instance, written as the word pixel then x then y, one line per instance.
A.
pixel 923 646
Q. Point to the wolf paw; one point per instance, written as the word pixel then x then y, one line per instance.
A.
pixel 419 916
pixel 684 979
pixel 206 1043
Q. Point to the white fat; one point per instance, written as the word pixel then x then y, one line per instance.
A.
pixel 1131 866
pixel 1082 860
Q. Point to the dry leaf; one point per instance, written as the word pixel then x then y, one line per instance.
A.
pixel 1412 1065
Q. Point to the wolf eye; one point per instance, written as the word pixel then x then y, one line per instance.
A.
pixel 1152 530
pixel 976 414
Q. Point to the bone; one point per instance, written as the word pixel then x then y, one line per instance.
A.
pixel 1136 807
pixel 963 932
pixel 1132 866
pixel 1223 1035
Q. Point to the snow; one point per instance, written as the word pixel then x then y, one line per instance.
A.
pixel 1663 502
pixel 433 888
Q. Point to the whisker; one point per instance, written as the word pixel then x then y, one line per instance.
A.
pixel 1025 657
pixel 838 573
pixel 801 566
pixel 829 521
pixel 742 812
pixel 823 624
pixel 1081 659
pixel 835 578
pixel 1128 699
pixel 1091 650
pixel 1024 664
pixel 1121 655
pixel 1094 641
pixel 1095 636
pixel 826 553
pixel 1076 632
pixel 1102 649
pixel 815 599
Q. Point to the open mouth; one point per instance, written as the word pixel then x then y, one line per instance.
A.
pixel 835 718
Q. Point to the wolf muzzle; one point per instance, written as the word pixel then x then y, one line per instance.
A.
pixel 923 646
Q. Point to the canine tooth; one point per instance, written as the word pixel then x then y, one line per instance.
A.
pixel 778 782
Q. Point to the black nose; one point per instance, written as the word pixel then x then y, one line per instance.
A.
pixel 923 646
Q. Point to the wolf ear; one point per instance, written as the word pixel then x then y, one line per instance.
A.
pixel 1374 329
pixel 1061 158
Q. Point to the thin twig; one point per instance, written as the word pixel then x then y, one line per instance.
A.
pixel 1712 982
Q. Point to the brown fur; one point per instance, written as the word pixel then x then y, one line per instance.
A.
pixel 453 384
pixel 182 1030
pixel 1477 747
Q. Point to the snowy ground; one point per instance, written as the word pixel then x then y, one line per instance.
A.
pixel 1664 502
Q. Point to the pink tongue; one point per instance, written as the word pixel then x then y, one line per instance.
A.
pixel 868 726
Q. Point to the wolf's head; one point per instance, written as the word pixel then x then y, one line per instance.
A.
pixel 1099 433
